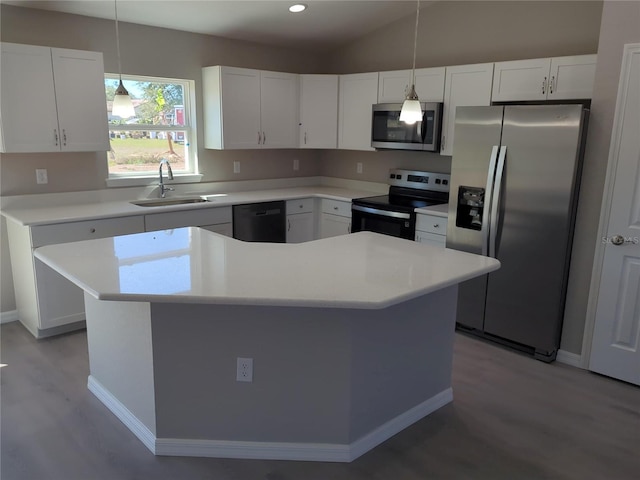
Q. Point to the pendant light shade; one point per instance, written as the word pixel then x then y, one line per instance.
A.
pixel 411 110
pixel 122 106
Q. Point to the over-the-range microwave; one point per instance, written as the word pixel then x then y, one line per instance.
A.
pixel 388 132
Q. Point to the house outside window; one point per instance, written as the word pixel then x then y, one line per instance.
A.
pixel 163 127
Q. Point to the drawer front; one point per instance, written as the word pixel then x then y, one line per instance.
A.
pixel 431 239
pixel 301 205
pixel 431 224
pixel 187 218
pixel 85 230
pixel 336 207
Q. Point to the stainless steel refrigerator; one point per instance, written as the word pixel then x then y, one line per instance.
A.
pixel 514 183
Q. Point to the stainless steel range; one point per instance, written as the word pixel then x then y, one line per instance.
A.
pixel 394 214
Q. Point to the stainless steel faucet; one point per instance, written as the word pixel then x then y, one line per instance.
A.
pixel 162 186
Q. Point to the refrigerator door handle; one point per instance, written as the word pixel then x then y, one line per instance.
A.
pixel 495 202
pixel 486 223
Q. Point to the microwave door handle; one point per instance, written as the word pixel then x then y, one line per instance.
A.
pixel 487 220
pixel 423 132
pixel 495 203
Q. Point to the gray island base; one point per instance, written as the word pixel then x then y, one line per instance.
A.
pixel 345 354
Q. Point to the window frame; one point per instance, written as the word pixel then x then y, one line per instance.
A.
pixel 148 178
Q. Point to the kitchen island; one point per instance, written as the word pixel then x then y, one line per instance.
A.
pixel 351 338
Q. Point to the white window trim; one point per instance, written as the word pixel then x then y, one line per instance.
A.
pixel 145 178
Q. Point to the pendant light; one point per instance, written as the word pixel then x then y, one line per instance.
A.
pixel 122 106
pixel 411 111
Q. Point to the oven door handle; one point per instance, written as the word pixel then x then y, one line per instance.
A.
pixel 384 213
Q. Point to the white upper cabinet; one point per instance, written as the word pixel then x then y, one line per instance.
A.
pixel 245 108
pixel 465 86
pixel 358 94
pixel 52 100
pixel 558 78
pixel 393 86
pixel 318 111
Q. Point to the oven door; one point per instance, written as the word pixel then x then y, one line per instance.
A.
pixel 396 224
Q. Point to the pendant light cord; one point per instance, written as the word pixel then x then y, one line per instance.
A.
pixel 115 3
pixel 415 45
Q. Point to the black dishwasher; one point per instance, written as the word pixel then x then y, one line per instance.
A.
pixel 260 222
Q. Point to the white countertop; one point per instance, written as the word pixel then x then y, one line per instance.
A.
pixel 441 210
pixel 58 208
pixel 189 265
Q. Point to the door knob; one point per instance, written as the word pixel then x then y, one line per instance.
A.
pixel 619 240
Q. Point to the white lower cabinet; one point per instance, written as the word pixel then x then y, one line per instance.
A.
pixel 300 220
pixel 431 229
pixel 335 218
pixel 217 219
pixel 47 303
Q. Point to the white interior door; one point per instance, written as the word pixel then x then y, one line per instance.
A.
pixel 615 349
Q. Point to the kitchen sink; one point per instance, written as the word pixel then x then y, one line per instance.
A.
pixel 160 202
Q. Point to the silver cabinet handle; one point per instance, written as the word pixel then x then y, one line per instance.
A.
pixel 55 136
pixel 544 85
pixel 300 206
pixel 444 141
pixel 553 80
pixel 335 208
pixel 288 225
pixel 92 230
pixel 437 225
pixel 264 138
pixel 259 138
pixel 305 138
pixel 64 137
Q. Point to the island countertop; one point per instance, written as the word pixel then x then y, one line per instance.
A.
pixel 190 265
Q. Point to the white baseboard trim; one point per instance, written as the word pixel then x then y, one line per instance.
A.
pixel 319 452
pixel 10 316
pixel 399 423
pixel 123 414
pixel 569 358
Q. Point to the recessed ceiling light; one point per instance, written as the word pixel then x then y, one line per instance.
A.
pixel 297 8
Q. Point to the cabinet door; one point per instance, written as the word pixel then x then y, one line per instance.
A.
pixel 225 229
pixel 28 116
pixel 394 86
pixel 431 239
pixel 279 109
pixel 334 225
pixel 240 95
pixel 318 111
pixel 521 80
pixel 81 100
pixel 572 77
pixel 465 86
pixel 300 228
pixel 358 93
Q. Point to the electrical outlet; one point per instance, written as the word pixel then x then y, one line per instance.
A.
pixel 359 167
pixel 41 176
pixel 244 369
pixel 236 167
pixel 296 164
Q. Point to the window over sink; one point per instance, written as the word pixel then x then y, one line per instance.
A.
pixel 163 127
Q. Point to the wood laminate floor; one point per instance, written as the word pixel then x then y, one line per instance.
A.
pixel 512 418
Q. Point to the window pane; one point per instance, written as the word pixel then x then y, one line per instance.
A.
pixel 155 103
pixel 141 151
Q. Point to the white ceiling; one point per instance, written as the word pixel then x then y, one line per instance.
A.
pixel 326 24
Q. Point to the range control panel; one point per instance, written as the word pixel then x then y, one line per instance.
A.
pixel 438 182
